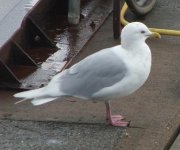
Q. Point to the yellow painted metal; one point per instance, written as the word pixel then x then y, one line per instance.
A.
pixel 160 31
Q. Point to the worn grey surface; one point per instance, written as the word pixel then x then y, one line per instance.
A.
pixel 28 135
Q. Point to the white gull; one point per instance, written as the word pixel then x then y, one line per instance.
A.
pixel 110 73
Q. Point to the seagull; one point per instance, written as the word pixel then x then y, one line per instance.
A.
pixel 111 73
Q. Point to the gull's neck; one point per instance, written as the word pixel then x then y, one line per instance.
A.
pixel 129 42
pixel 132 45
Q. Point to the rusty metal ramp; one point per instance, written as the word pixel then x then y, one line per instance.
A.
pixel 38 44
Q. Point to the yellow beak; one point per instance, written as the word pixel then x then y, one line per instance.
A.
pixel 155 35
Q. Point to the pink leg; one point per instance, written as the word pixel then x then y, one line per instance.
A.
pixel 115 120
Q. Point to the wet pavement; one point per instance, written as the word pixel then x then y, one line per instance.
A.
pixel 154 110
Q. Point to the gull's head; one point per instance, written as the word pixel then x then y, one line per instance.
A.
pixel 136 32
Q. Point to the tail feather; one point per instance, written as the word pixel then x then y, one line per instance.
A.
pixel 38 96
pixel 41 101
pixel 31 94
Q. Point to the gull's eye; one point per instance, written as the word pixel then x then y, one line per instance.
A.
pixel 143 31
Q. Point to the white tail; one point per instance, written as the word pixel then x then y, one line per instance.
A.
pixel 38 96
pixel 31 94
pixel 37 102
pixel 42 95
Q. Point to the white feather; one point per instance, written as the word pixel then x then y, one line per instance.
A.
pixel 30 94
pixel 37 102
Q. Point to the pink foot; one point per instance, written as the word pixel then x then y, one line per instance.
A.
pixel 117 117
pixel 118 123
pixel 115 120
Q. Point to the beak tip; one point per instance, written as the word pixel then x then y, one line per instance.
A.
pixel 156 35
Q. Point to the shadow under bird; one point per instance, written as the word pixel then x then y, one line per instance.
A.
pixel 110 73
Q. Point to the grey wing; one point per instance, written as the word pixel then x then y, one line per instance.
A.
pixel 93 74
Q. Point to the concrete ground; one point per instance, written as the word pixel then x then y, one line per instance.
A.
pixel 30 135
pixel 154 110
